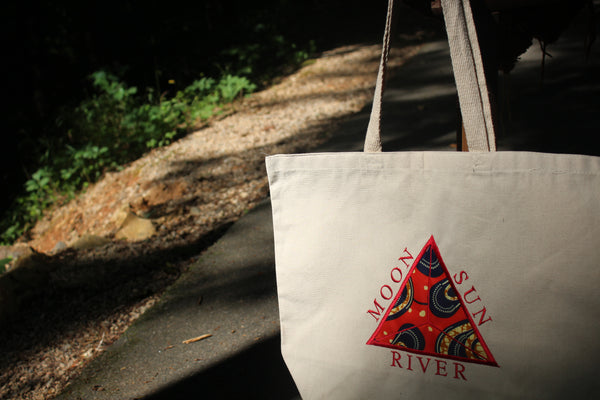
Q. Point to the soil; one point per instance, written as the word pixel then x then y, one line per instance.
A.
pixel 87 295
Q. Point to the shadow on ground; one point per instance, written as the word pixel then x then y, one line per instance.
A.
pixel 59 293
pixel 250 374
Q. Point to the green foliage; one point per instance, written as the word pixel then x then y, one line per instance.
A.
pixel 112 127
pixel 230 87
pixel 302 55
pixel 83 165
pixel 117 123
pixel 264 58
pixel 40 192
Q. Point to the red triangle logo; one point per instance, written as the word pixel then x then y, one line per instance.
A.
pixel 428 315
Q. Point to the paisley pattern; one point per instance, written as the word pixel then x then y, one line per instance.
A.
pixel 404 301
pixel 428 316
pixel 409 336
pixel 443 301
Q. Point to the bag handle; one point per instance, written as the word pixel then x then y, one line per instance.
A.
pixel 468 74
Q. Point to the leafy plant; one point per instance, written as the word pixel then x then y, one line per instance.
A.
pixel 265 57
pixel 40 192
pixel 230 87
pixel 85 165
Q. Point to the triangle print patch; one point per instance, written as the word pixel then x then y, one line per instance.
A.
pixel 428 315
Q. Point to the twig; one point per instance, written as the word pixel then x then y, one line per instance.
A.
pixel 197 339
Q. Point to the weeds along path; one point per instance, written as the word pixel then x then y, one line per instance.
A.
pixel 95 284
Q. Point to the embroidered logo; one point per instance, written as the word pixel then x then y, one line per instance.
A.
pixel 428 315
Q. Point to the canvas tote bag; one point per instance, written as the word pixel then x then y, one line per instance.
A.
pixel 455 275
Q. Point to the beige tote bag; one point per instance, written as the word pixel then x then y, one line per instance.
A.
pixel 409 275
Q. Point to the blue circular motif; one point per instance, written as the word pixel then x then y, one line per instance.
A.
pixel 429 264
pixel 459 340
pixel 443 301
pixel 409 336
